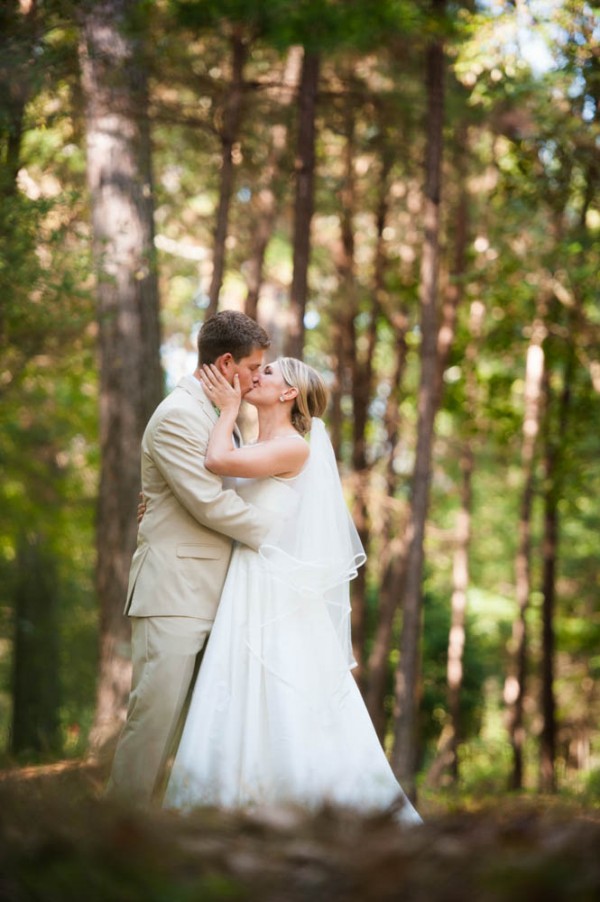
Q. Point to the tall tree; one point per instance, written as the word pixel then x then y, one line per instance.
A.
pixel 447 756
pixel 228 133
pixel 352 370
pixel 120 185
pixel 407 673
pixel 36 683
pixel 304 199
pixel 393 539
pixel 393 558
pixel 514 688
pixel 552 493
pixel 265 197
pixel 460 566
pixel 23 55
pixel 20 28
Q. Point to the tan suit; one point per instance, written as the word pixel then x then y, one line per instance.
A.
pixel 176 578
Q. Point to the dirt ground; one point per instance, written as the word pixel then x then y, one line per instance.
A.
pixel 60 842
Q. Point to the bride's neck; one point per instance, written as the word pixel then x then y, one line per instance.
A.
pixel 274 422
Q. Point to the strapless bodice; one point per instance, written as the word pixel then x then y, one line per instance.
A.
pixel 277 496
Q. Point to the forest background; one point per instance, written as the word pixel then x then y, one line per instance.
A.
pixel 406 194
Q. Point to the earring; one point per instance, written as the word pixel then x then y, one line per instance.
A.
pixel 281 398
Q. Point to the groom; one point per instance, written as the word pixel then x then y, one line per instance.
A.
pixel 184 545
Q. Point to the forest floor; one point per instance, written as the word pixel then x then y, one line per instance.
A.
pixel 59 842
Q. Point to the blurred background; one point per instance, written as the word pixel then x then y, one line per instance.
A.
pixel 406 194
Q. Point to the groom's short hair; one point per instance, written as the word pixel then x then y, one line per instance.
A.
pixel 230 332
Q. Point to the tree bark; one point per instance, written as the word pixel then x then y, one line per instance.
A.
pixel 460 570
pixel 344 312
pixel 36 678
pixel 393 564
pixel 552 496
pixel 407 673
pixel 19 31
pixel 229 132
pixel 362 392
pixel 18 35
pixel 354 373
pixel 120 185
pixel 514 687
pixel 549 551
pixel 265 202
pixel 394 557
pixel 304 201
pixel 460 567
pixel 374 680
pixel 460 584
pixel 446 760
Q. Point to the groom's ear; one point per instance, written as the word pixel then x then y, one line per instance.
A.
pixel 224 364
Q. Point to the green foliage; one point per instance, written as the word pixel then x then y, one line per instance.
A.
pixel 478 666
pixel 527 141
pixel 35 685
pixel 315 24
pixel 49 459
pixel 47 378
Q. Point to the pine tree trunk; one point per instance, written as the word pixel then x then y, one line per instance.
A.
pixel 552 496
pixel 460 583
pixel 362 393
pixel 343 336
pixel 120 184
pixel 550 550
pixel 446 760
pixel 362 385
pixel 391 587
pixel 335 404
pixel 354 372
pixel 20 29
pixel 460 568
pixel 514 687
pixel 304 201
pixel 265 199
pixel 14 128
pixel 232 118
pixel 36 678
pixel 407 673
pixel 393 564
pixel 265 209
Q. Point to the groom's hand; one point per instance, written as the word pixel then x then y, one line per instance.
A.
pixel 141 508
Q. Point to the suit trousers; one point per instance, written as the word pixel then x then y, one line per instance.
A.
pixel 164 653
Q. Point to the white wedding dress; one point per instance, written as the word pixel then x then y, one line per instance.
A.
pixel 276 716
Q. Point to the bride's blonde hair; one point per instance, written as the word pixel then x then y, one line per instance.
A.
pixel 311 399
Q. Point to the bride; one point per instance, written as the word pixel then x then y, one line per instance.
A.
pixel 276 716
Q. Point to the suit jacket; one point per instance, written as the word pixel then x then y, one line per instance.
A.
pixel 185 537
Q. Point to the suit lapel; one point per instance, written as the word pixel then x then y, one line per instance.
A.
pixel 193 387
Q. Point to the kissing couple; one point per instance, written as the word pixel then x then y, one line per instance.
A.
pixel 252 544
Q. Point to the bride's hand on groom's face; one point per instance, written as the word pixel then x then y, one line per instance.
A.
pixel 218 389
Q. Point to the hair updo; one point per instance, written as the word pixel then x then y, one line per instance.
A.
pixel 311 399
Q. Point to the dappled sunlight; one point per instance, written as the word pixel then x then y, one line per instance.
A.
pixel 421 215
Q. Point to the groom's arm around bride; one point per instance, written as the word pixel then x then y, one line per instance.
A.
pixel 184 547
